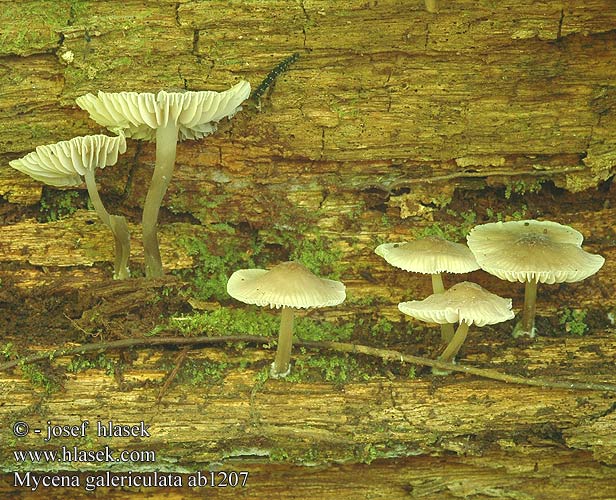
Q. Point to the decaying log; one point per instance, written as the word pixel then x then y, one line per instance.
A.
pixel 499 474
pixel 320 423
pixel 394 122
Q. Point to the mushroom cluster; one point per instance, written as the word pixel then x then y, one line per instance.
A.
pixel 430 255
pixel 465 303
pixel 167 117
pixel 528 251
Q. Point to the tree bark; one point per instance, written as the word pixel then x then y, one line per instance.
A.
pixel 393 123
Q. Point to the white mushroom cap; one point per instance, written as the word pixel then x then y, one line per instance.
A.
pixel 288 284
pixel 429 255
pixel 464 302
pixel 63 163
pixel 138 115
pixel 530 250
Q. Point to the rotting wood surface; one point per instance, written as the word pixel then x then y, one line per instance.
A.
pixel 360 128
pixel 525 474
pixel 238 418
pixel 391 121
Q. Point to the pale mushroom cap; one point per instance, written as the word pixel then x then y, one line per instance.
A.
pixel 138 115
pixel 464 302
pixel 288 284
pixel 429 255
pixel 63 163
pixel 530 250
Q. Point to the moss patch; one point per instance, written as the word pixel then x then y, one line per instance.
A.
pixel 202 372
pixel 336 369
pixel 573 321
pixel 223 251
pixel 30 27
pixel 214 263
pixel 56 205
pixel 251 321
pixel 99 361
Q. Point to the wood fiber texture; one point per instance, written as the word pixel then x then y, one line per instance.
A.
pixel 393 123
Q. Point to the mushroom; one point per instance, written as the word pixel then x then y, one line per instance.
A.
pixel 531 252
pixel 166 117
pixel 465 303
pixel 289 285
pixel 64 163
pixel 430 255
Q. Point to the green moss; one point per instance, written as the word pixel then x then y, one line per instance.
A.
pixel 251 321
pixel 224 252
pixel 312 456
pixel 278 455
pixel 336 369
pixel 211 270
pixel 203 207
pixel 78 8
pixel 441 200
pixel 318 255
pixel 202 372
pixel 7 350
pixel 37 132
pixel 388 448
pixel 308 329
pixel 455 231
pixel 83 363
pixel 367 300
pixel 518 214
pixel 75 76
pixel 225 321
pixel 521 187
pixel 32 27
pixel 574 321
pixel 38 378
pixel 56 205
pixel 386 222
pixel 382 327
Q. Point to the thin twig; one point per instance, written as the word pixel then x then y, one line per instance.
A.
pixel 179 361
pixel 76 326
pixel 385 354
pixel 390 355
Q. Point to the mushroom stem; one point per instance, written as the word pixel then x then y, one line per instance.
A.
pixel 166 145
pixel 96 199
pixel 527 325
pixel 118 227
pixel 121 235
pixel 438 287
pixel 282 363
pixel 437 283
pixel 454 346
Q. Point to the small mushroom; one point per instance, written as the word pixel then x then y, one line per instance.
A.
pixel 64 163
pixel 289 285
pixel 430 255
pixel 465 303
pixel 166 117
pixel 531 252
